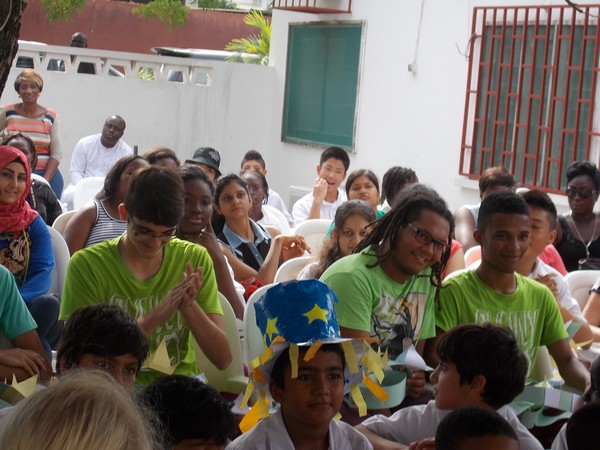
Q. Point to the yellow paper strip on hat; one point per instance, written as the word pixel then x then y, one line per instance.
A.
pixel 259 411
pixel 247 394
pixel 375 389
pixel 258 376
pixel 350 355
pixel 159 360
pixel 312 351
pixel 25 387
pixel 374 363
pixel 294 360
pixel 255 362
pixel 358 399
pixel 337 416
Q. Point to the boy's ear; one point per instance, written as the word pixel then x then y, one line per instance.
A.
pixel 478 384
pixel 122 211
pixel 276 391
pixel 477 236
pixel 318 169
pixel 552 236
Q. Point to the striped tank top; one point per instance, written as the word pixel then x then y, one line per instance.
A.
pixel 38 129
pixel 106 227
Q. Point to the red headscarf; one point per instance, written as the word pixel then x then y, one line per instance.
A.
pixel 16 216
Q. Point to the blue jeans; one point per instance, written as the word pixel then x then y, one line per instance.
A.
pixel 44 310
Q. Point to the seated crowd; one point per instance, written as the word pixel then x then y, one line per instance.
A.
pixel 156 247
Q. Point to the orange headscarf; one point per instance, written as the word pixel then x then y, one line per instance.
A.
pixel 18 215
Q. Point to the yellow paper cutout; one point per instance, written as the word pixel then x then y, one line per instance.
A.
pixel 312 351
pixel 375 389
pixel 25 387
pixel 337 416
pixel 294 360
pixel 374 363
pixel 271 328
pixel 358 399
pixel 260 410
pixel 316 314
pixel 350 355
pixel 247 394
pixel 159 360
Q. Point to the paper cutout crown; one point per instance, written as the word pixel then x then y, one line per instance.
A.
pixel 302 314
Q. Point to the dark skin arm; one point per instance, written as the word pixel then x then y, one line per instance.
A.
pixel 25 360
pixel 78 229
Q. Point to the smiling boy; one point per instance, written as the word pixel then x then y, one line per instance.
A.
pixel 495 293
pixel 167 284
pixel 326 196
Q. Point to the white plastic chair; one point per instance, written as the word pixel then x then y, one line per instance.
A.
pixel 60 223
pixel 472 255
pixel 231 379
pixel 290 269
pixel 61 257
pixel 253 340
pixel 284 226
pixel 86 190
pixel 314 232
pixel 580 282
pixel 40 179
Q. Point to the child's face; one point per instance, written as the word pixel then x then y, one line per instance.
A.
pixel 450 394
pixel 198 207
pixel 490 443
pixel 353 231
pixel 540 232
pixel 504 241
pixel 234 201
pixel 315 396
pixel 254 166
pixel 122 368
pixel 332 171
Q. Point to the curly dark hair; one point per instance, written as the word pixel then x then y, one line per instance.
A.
pixel 584 168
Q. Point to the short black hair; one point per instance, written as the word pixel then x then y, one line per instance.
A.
pixel 103 330
pixel 488 350
pixel 253 155
pixel 283 361
pixel 188 409
pixel 362 173
pixel 155 194
pixel 394 180
pixel 464 423
pixel 593 392
pixel 584 168
pixel 501 202
pixel 190 172
pixel 541 200
pixel 113 177
pixel 159 153
pixel 495 176
pixel 336 153
pixel 582 428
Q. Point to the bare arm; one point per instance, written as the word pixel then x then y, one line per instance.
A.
pixel 592 313
pixel 79 227
pixel 570 368
pixel 378 442
pixel 457 262
pixel 319 193
pixel 464 227
pixel 26 359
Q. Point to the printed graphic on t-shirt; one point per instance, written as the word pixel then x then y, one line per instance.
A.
pixel 397 318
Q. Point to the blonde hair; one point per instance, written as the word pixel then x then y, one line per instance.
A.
pixel 85 410
pixel 29 75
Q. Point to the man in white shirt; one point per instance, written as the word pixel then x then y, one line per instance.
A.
pixel 94 155
pixel 326 197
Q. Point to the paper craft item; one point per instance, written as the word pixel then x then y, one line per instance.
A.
pixel 572 328
pixel 25 387
pixel 544 394
pixel 410 358
pixel 159 360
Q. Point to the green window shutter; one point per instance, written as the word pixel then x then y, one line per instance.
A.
pixel 321 84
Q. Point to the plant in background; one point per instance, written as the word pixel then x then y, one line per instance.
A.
pixel 255 48
pixel 216 4
pixel 170 12
pixel 61 9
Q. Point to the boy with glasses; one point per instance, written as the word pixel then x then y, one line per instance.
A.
pixel 387 289
pixel 167 284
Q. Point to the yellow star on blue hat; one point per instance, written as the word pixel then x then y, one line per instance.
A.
pixel 271 328
pixel 316 313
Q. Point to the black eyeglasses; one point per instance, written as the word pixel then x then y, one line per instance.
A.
pixel 582 193
pixel 423 237
pixel 144 234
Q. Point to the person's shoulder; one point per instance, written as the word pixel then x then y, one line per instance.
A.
pixel 97 252
pixel 467 276
pixel 343 434
pixel 529 284
pixel 89 139
pixel 178 247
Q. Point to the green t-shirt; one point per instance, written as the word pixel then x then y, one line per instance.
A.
pixel 530 311
pixel 369 300
pixel 97 274
pixel 15 318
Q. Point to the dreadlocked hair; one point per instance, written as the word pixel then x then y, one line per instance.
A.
pixel 410 202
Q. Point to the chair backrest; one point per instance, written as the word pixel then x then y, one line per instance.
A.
pixel 314 232
pixel 472 255
pixel 284 226
pixel 60 223
pixel 40 179
pixel 290 269
pixel 580 282
pixel 85 190
pixel 231 379
pixel 61 257
pixel 253 341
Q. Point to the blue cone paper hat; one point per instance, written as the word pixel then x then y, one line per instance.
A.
pixel 301 314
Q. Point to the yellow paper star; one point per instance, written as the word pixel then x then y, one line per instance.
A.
pixel 271 328
pixel 316 314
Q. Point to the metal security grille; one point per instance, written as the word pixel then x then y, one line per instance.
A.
pixel 531 90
